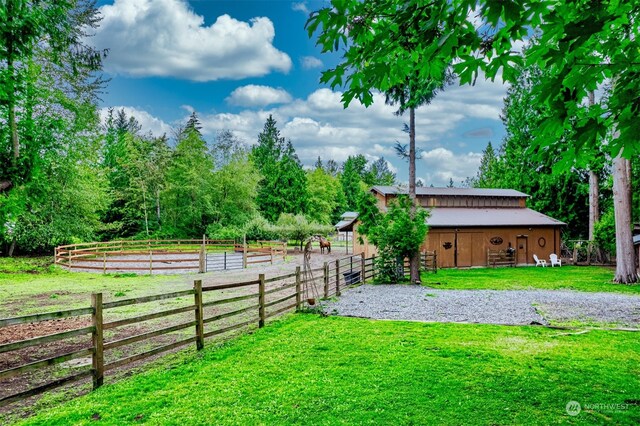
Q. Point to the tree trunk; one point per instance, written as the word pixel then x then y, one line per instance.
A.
pixel 594 205
pixel 13 126
pixel 414 260
pixel 625 254
pixel 594 191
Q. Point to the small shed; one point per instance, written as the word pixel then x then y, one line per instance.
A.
pixel 346 225
pixel 466 224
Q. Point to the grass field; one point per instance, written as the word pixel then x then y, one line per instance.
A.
pixel 31 285
pixel 580 278
pixel 312 370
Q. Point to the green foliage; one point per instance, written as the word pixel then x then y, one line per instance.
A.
pixel 378 173
pixel 259 228
pixel 397 234
pixel 353 171
pixel 605 232
pixel 307 369
pixel 188 198
pixel 50 188
pixel 574 38
pixel 298 228
pixel 215 231
pixel 283 187
pixel 234 191
pixel 325 197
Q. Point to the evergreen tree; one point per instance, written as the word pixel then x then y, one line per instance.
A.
pixel 188 197
pixel 353 171
pixel 283 187
pixel 378 173
pixel 487 174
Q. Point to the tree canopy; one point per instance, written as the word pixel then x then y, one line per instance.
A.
pixel 583 45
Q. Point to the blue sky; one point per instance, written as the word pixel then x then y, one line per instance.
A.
pixel 236 62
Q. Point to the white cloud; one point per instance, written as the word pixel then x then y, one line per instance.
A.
pixel 300 7
pixel 166 38
pixel 309 62
pixel 442 165
pixel 188 108
pixel 257 96
pixel 148 122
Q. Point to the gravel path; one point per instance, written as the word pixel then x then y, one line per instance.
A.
pixel 404 302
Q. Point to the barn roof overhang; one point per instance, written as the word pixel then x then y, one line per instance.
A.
pixel 347 222
pixel 442 217
pixel 463 192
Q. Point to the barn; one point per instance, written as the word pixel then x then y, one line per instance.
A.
pixel 471 226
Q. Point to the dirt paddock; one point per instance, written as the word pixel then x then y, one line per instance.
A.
pixel 41 301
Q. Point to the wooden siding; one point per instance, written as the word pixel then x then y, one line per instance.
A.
pixel 430 201
pixel 466 247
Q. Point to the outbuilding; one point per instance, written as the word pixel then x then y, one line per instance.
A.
pixel 469 225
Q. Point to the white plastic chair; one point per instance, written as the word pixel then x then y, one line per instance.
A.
pixel 540 262
pixel 554 260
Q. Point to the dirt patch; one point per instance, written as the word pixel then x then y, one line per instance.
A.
pixel 18 332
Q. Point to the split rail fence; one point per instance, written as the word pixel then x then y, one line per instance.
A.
pixel 167 255
pixel 209 311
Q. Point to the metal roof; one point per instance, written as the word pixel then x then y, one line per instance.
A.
pixel 467 192
pixel 449 217
pixel 347 224
pixel 349 215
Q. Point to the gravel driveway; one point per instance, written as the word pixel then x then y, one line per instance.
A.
pixel 404 302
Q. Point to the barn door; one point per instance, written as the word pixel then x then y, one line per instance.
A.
pixel 446 250
pixel 463 249
pixel 522 249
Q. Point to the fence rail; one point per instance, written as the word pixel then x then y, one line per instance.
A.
pixel 243 304
pixel 167 255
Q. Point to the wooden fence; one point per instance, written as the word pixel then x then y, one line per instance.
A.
pixel 243 304
pixel 250 303
pixel 167 255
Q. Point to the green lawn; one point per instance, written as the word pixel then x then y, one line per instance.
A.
pixel 307 369
pixel 580 278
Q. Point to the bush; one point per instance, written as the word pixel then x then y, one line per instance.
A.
pixel 215 231
pixel 395 233
pixel 605 233
pixel 259 228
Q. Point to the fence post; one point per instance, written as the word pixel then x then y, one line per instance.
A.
pixel 70 250
pixel 373 266
pixel 150 262
pixel 364 275
pixel 104 262
pixel 298 290
pixel 271 253
pixel 261 300
pixel 244 252
pixel 203 252
pixel 326 280
pixel 97 340
pixel 338 277
pixel 197 287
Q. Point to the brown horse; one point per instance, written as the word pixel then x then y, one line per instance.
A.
pixel 324 244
